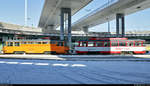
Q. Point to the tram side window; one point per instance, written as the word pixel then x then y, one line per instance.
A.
pixel 5 44
pixel 34 42
pixel 65 44
pixel 10 44
pixel 90 44
pixel 130 44
pixel 143 43
pixel 52 42
pixel 106 44
pixel 80 43
pixel 122 43
pixel 60 44
pixel 38 42
pixel 17 44
pixel 24 42
pixel 84 44
pixel 114 43
pixel 45 42
pixel 138 44
pixel 30 42
pixel 99 44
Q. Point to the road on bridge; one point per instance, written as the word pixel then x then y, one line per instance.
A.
pixel 19 71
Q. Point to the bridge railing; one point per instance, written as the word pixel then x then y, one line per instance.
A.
pixel 130 35
pixel 97 10
pixel 111 35
pixel 4 30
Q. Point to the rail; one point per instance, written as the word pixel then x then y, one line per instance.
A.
pixel 97 10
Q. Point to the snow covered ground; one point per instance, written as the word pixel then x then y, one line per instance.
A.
pixel 17 71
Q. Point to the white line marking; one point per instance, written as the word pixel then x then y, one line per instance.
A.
pixel 2 62
pixel 41 64
pixel 64 65
pixel 78 65
pixel 26 63
pixel 12 62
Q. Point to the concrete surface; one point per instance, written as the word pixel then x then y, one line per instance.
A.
pixel 77 57
pixel 24 71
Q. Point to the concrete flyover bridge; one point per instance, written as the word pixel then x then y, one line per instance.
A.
pixel 115 9
pixel 52 10
pixel 56 12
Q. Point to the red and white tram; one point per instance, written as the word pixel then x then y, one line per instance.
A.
pixel 110 46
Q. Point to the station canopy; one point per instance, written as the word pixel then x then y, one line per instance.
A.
pixel 51 11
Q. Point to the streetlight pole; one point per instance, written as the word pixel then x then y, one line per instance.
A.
pixel 108 26
pixel 108 19
pixel 25 18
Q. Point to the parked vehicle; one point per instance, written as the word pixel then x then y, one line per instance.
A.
pixel 35 46
pixel 111 46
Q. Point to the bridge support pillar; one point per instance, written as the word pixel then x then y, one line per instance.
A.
pixel 86 30
pixel 49 28
pixel 62 24
pixel 64 12
pixel 120 25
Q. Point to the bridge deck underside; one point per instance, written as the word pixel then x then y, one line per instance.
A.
pixel 51 11
pixel 108 13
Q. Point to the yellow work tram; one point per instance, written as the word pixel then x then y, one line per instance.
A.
pixel 35 47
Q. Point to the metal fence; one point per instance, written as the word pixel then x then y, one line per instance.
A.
pixel 111 35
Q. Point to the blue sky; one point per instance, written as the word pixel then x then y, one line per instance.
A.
pixel 12 11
